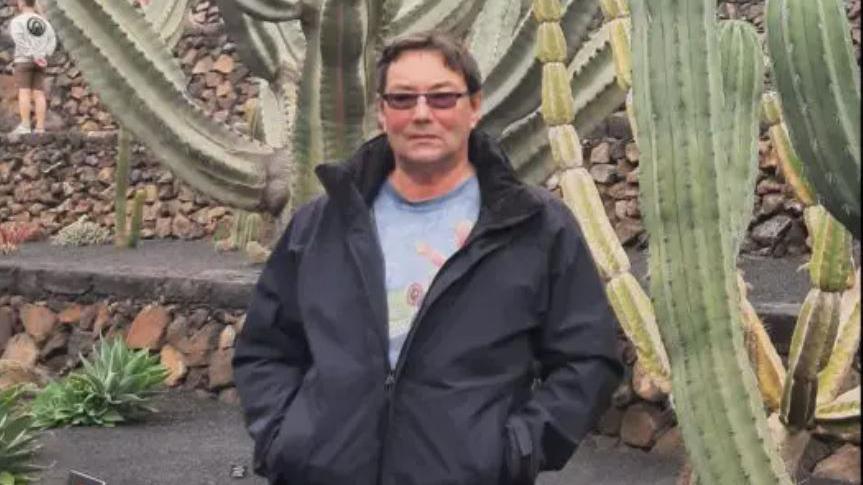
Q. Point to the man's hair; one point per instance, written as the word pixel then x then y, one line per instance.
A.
pixel 455 55
pixel 30 3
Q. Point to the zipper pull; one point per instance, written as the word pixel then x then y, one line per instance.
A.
pixel 390 381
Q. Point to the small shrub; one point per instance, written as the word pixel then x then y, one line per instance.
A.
pixel 112 388
pixel 82 233
pixel 12 234
pixel 17 441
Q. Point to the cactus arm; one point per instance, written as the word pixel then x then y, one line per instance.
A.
pixel 818 80
pixel 616 13
pixel 679 105
pixel 830 267
pixel 509 90
pixel 342 86
pixel 811 344
pixel 630 304
pixel 840 418
pixel 148 102
pixel 789 162
pixel 493 31
pixel 307 139
pixel 137 218
pixel 833 376
pixel 121 185
pixel 447 15
pixel 846 406
pixel 595 96
pixel 273 117
pixel 266 48
pixel 743 74
pixel 271 10
pixel 762 354
pixel 168 18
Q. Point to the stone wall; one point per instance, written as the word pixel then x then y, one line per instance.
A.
pixel 54 179
pixel 42 339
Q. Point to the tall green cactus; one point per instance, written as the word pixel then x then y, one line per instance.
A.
pixel 121 185
pixel 317 59
pixel 684 131
pixel 818 79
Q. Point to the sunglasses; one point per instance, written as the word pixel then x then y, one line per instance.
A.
pixel 436 100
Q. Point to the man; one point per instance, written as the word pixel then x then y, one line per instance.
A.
pixel 34 41
pixel 393 335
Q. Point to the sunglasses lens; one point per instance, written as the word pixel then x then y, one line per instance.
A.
pixel 404 101
pixel 442 100
pixel 401 100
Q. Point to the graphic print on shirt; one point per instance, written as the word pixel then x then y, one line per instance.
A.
pixel 417 239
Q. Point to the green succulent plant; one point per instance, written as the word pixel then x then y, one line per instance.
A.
pixel 18 443
pixel 114 387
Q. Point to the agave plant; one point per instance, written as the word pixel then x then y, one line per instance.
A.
pixel 315 62
pixel 17 441
pixel 114 387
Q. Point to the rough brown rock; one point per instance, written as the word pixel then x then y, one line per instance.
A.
pixel 641 425
pixel 38 321
pixel 13 372
pixel 148 327
pixel 7 325
pixel 197 348
pixel 174 361
pixel 21 348
pixel 221 372
pixel 71 315
pixel 843 466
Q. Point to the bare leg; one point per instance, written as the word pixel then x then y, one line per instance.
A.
pixel 41 108
pixel 24 106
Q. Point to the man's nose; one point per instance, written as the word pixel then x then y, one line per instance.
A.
pixel 422 111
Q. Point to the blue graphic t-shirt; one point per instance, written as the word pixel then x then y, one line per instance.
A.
pixel 417 238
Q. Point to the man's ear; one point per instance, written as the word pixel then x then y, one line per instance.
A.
pixel 382 121
pixel 476 106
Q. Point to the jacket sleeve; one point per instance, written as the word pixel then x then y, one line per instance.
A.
pixel 271 354
pixel 576 348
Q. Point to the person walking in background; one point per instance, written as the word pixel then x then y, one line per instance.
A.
pixel 431 320
pixel 34 41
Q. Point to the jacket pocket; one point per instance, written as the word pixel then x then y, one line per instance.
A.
pixel 288 454
pixel 519 457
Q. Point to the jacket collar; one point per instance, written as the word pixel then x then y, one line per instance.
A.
pixel 354 183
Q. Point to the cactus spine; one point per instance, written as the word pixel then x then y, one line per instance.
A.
pixel 818 79
pixel 683 130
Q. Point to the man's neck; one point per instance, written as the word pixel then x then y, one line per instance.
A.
pixel 28 10
pixel 416 184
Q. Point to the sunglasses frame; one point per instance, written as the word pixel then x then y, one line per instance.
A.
pixel 429 99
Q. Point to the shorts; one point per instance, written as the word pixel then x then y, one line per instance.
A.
pixel 29 76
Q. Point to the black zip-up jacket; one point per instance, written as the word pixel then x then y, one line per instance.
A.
pixel 509 361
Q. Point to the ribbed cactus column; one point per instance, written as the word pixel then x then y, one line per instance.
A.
pixel 818 79
pixel 631 305
pixel 682 128
pixel 789 163
pixel 828 330
pixel 121 185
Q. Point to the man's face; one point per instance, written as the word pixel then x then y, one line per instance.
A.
pixel 424 135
